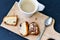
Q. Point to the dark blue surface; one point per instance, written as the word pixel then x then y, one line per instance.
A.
pixel 52 9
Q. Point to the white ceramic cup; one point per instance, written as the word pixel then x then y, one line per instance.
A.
pixel 38 7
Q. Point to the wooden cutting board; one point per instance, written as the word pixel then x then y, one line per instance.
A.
pixel 38 17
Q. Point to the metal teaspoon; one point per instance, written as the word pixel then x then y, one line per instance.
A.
pixel 48 22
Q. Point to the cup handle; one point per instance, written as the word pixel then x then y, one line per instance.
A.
pixel 40 7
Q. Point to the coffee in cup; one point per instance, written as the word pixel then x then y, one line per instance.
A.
pixel 27 6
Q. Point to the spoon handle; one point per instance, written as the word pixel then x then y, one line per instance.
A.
pixel 41 34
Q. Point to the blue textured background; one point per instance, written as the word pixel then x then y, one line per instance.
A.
pixel 52 9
